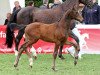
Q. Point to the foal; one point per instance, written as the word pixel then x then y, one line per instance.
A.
pixel 57 33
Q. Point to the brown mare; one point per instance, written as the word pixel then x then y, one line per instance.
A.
pixel 57 33
pixel 32 14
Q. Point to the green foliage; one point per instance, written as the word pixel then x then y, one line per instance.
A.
pixel 37 3
pixel 89 65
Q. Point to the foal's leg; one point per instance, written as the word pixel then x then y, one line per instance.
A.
pixel 55 56
pixel 17 41
pixel 71 50
pixel 34 54
pixel 72 35
pixel 60 52
pixel 23 47
pixel 77 49
pixel 30 58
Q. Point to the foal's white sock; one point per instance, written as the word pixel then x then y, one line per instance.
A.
pixel 31 61
pixel 33 51
pixel 80 55
pixel 71 50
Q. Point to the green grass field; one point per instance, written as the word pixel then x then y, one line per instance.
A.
pixel 89 65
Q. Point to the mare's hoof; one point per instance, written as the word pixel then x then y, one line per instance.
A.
pixel 61 57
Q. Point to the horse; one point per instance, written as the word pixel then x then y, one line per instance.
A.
pixel 33 14
pixel 57 33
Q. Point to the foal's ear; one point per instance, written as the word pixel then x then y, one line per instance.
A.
pixel 67 12
pixel 75 8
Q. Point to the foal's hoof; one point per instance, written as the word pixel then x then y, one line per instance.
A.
pixel 75 62
pixel 76 59
pixel 54 69
pixel 35 57
pixel 15 65
pixel 61 57
pixel 30 66
pixel 17 68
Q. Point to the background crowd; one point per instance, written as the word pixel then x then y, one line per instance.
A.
pixel 90 15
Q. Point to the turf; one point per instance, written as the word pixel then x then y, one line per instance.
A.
pixel 89 65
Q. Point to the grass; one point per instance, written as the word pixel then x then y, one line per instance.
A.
pixel 89 65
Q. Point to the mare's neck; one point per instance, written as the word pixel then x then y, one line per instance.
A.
pixel 68 4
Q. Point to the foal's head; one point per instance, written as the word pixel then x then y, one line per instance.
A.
pixel 75 15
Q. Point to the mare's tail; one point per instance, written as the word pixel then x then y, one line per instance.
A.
pixel 10 29
pixel 10 34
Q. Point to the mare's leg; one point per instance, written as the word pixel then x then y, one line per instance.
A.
pixel 60 52
pixel 17 40
pixel 55 56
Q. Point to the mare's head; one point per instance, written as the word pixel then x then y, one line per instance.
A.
pixel 88 3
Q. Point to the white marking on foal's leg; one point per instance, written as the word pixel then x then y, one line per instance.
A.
pixel 16 52
pixel 71 50
pixel 31 61
pixel 33 52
